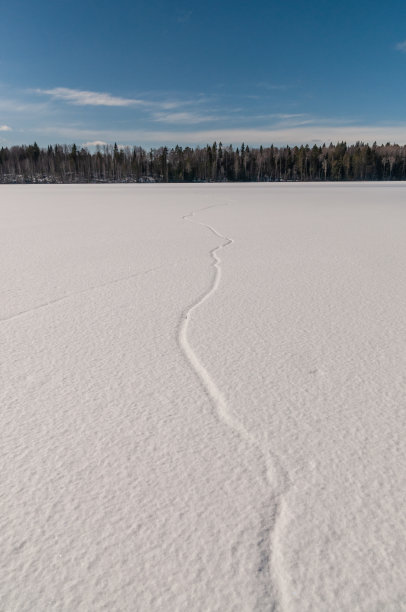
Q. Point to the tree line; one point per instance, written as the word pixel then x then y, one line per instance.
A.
pixel 216 162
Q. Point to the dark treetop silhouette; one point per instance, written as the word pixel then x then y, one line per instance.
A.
pixel 70 164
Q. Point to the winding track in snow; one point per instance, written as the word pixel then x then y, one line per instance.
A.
pixel 210 386
pixel 275 478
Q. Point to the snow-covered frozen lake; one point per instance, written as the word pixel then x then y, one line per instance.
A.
pixel 203 394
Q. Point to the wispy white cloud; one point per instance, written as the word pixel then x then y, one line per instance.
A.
pixel 287 115
pixel 89 98
pixel 94 143
pixel 401 46
pixel 14 102
pixel 186 118
pixel 5 128
pixel 232 115
pixel 279 119
pixel 79 97
pixel 310 134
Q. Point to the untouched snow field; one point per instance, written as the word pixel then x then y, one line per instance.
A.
pixel 203 398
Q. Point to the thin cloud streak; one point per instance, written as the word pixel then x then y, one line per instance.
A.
pixel 89 98
pixel 183 118
pixel 14 105
pixel 309 134
pixel 94 143
pixel 5 128
pixel 79 97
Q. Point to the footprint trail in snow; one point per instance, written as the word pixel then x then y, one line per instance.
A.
pixel 275 479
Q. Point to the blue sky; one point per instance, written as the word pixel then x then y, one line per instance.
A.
pixel 152 73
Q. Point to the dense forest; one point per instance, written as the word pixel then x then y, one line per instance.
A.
pixel 71 164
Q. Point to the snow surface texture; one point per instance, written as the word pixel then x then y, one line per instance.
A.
pixel 203 393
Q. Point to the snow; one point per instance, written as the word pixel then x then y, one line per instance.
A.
pixel 202 391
